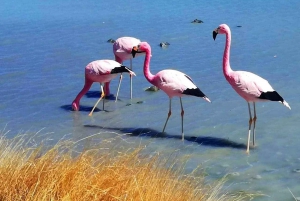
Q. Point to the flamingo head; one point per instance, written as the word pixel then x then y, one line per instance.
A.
pixel 222 29
pixel 135 50
pixel 144 47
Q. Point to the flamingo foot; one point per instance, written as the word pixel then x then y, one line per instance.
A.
pixel 75 106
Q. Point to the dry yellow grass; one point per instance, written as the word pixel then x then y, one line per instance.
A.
pixel 33 173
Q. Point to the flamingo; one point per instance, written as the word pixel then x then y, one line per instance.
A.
pixel 101 71
pixel 249 86
pixel 124 48
pixel 172 82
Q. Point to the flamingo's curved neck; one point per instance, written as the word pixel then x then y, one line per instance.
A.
pixel 226 65
pixel 148 75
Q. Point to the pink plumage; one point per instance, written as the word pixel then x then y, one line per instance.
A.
pixel 172 82
pixel 249 86
pixel 101 71
pixel 124 48
pixel 175 83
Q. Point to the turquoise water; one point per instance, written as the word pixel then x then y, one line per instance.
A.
pixel 44 47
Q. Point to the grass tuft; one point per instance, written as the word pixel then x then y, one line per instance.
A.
pixel 35 173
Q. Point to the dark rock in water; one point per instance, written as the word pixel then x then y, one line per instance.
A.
pixel 238 26
pixel 152 88
pixel 164 44
pixel 297 170
pixel 128 104
pixel 139 102
pixel 197 21
pixel 111 40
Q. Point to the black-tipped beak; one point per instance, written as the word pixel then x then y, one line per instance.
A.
pixel 134 51
pixel 215 33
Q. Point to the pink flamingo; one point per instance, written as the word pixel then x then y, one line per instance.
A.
pixel 249 86
pixel 125 48
pixel 101 71
pixel 172 82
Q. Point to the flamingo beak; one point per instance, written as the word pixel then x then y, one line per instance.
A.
pixel 215 33
pixel 134 51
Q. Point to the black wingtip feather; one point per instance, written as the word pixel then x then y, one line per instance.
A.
pixel 194 92
pixel 271 95
pixel 120 69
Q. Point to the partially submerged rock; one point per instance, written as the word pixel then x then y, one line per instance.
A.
pixel 197 21
pixel 152 88
pixel 164 44
pixel 111 40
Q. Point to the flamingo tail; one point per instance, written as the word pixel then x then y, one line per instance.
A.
pixel 274 96
pixel 207 99
pixel 196 92
pixel 286 104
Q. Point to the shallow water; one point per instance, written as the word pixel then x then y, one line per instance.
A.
pixel 44 48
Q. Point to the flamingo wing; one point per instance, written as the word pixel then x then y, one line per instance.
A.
pixel 103 67
pixel 173 80
pixel 249 85
pixel 176 83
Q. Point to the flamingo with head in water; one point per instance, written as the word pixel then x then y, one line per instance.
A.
pixel 124 48
pixel 172 82
pixel 249 86
pixel 101 71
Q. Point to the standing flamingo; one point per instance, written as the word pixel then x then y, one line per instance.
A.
pixel 101 71
pixel 124 48
pixel 172 82
pixel 249 86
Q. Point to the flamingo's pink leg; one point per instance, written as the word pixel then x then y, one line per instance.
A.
pixel 182 114
pixel 106 88
pixel 254 122
pixel 169 114
pixel 120 80
pixel 249 131
pixel 118 59
pixel 87 85
pixel 130 79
